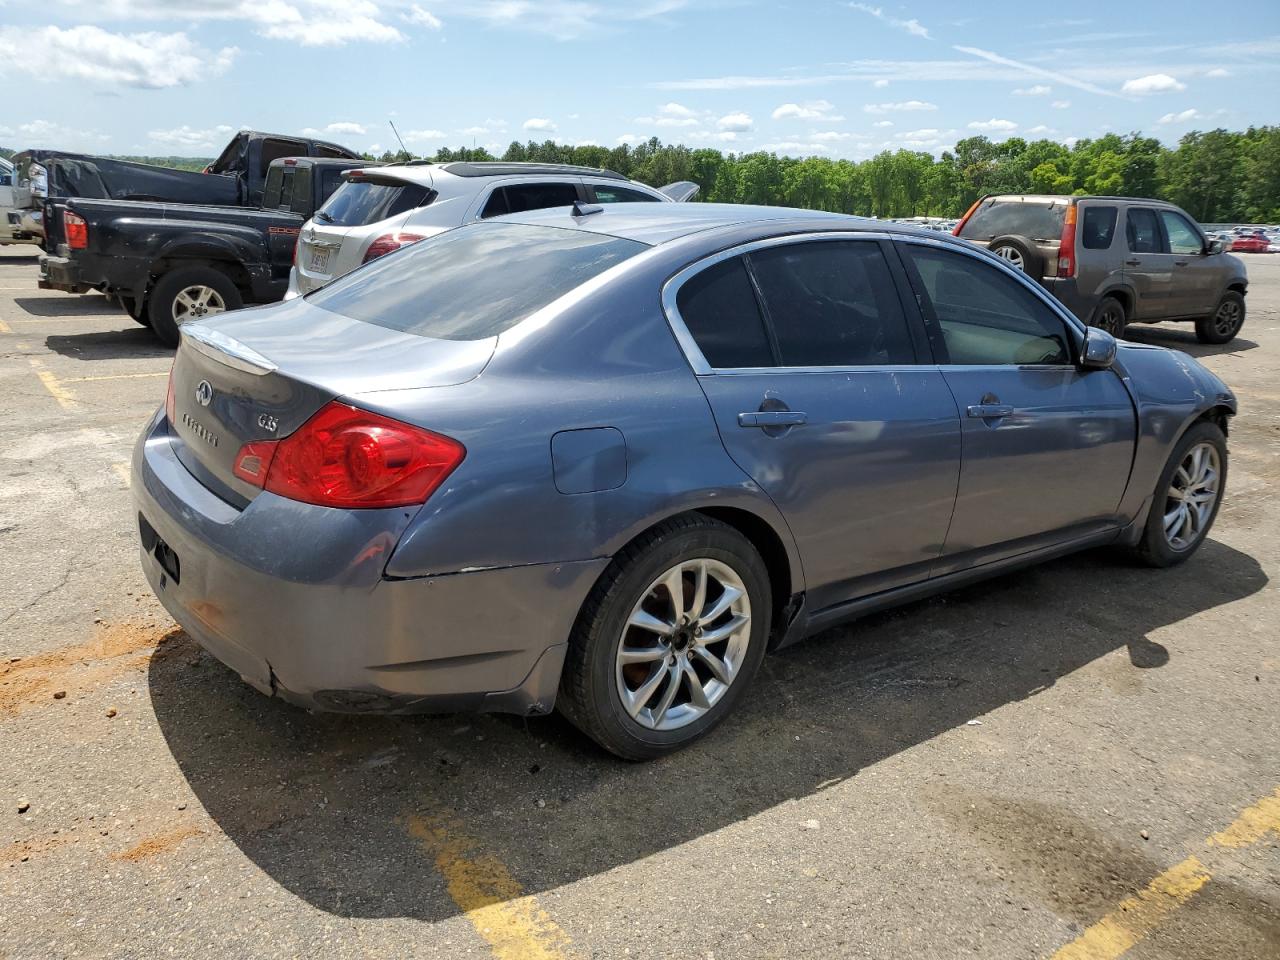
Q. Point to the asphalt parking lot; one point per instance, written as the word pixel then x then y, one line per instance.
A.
pixel 1078 761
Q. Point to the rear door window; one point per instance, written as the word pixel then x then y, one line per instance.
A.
pixel 719 308
pixel 1183 238
pixel 1034 219
pixel 1098 227
pixel 301 202
pixel 472 283
pixel 1142 231
pixel 832 303
pixel 613 194
pixel 529 196
pixel 360 202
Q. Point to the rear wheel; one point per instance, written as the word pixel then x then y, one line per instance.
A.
pixel 1225 322
pixel 668 640
pixel 1020 253
pixel 186 294
pixel 1110 316
pixel 1186 498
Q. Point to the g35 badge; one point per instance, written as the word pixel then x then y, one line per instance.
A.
pixel 267 422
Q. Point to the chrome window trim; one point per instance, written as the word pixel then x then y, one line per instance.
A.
pixel 671 291
pixel 226 350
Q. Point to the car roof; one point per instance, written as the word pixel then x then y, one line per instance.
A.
pixel 656 223
pixel 488 168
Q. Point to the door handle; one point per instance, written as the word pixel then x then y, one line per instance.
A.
pixel 1180 263
pixel 772 418
pixel 990 411
pixel 1132 263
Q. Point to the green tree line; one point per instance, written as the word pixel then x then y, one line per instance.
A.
pixel 1216 176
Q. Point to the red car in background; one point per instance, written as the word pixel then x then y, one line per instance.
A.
pixel 1250 243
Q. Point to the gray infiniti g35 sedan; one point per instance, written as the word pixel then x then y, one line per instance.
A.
pixel 605 459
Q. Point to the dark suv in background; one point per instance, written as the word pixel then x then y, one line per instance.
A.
pixel 1116 260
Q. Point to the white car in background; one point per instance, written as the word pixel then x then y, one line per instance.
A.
pixel 380 209
pixel 11 230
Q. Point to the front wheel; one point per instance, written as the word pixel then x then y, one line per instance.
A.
pixel 1225 322
pixel 186 294
pixel 1186 498
pixel 1110 316
pixel 669 639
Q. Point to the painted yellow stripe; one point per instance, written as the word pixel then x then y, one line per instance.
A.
pixel 495 903
pixel 1252 825
pixel 5 328
pixel 1138 916
pixel 66 399
pixel 115 376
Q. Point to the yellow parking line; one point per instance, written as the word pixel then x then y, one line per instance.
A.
pixel 494 902
pixel 66 399
pixel 114 376
pixel 122 471
pixel 5 328
pixel 1138 915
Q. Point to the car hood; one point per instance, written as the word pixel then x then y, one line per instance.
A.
pixel 345 356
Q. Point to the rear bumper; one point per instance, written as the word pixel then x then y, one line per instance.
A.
pixel 292 598
pixel 61 273
pixel 1068 293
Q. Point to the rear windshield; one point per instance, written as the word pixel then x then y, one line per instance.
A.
pixel 360 202
pixel 1035 219
pixel 473 282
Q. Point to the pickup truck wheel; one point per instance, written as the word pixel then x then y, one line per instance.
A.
pixel 1225 322
pixel 130 306
pixel 186 294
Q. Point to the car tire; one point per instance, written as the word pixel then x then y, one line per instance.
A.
pixel 597 686
pixel 1110 316
pixel 1225 322
pixel 1020 253
pixel 1157 548
pixel 207 291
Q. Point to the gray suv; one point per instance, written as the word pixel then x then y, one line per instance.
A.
pixel 1116 260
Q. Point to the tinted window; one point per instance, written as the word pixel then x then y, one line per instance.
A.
pixel 271 189
pixel 1098 227
pixel 330 180
pixel 832 303
pixel 1142 232
pixel 529 196
pixel 622 195
pixel 1183 238
pixel 475 282
pixel 301 191
pixel 719 308
pixel 982 316
pixel 331 152
pixel 360 202
pixel 1037 219
pixel 286 188
pixel 275 149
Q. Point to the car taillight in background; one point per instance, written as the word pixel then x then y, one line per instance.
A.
pixel 1067 243
pixel 965 219
pixel 387 243
pixel 76 229
pixel 347 457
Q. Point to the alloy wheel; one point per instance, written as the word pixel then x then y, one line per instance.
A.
pixel 1226 322
pixel 1191 497
pixel 1012 256
pixel 1111 318
pixel 683 644
pixel 195 302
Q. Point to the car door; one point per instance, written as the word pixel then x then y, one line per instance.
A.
pixel 1197 277
pixel 519 196
pixel 1148 268
pixel 812 372
pixel 1047 445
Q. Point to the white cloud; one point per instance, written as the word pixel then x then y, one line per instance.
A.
pixel 192 139
pixel 148 60
pixel 834 136
pixel 1060 104
pixel 810 110
pixel 631 139
pixel 338 127
pixel 904 105
pixel 43 133
pixel 881 83
pixel 677 110
pixel 883 123
pixel 423 18
pixel 1065 79
pixel 1184 116
pixel 925 134
pixel 1217 72
pixel 993 125
pixel 417 136
pixel 541 124
pixel 1040 128
pixel 1152 83
pixel 1070 142
pixel 1039 90
pixel 912 26
pixel 792 146
pixel 735 122
pixel 558 19
pixel 671 115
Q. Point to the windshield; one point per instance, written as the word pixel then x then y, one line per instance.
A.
pixel 473 282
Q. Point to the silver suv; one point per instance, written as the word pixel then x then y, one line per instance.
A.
pixel 1116 260
pixel 383 208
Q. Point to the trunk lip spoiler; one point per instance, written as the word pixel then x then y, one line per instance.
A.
pixel 226 350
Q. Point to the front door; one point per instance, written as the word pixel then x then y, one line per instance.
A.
pixel 812 373
pixel 1197 277
pixel 1047 445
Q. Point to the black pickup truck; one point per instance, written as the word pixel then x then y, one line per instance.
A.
pixel 167 263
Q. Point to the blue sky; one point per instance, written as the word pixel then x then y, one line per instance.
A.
pixel 833 79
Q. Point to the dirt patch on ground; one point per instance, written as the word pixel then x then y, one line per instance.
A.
pixel 117 649
pixel 22 850
pixel 157 844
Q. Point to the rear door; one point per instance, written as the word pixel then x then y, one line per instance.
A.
pixel 1197 278
pixel 1148 268
pixel 512 196
pixel 605 192
pixel 811 368
pixel 1047 444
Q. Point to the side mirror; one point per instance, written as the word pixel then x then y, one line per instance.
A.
pixel 1216 246
pixel 1099 349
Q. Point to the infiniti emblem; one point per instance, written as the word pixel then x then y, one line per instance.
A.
pixel 204 393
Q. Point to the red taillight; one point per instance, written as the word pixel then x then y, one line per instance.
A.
pixel 76 229
pixel 1067 244
pixel 348 457
pixel 388 242
pixel 170 404
pixel 967 214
